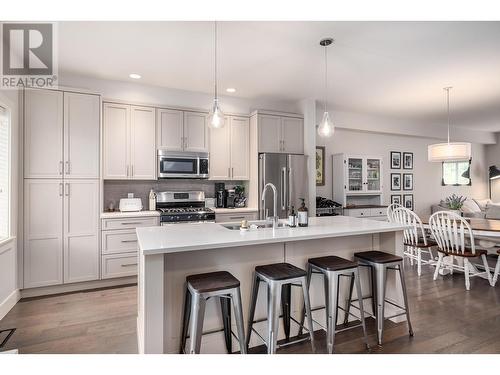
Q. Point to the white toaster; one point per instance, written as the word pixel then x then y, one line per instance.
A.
pixel 130 204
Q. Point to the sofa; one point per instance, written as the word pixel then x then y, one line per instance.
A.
pixel 476 208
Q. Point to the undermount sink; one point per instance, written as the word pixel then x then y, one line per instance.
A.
pixel 255 225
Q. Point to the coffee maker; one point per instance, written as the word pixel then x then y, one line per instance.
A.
pixel 230 198
pixel 220 195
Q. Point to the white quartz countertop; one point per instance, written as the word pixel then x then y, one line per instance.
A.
pixel 234 210
pixel 119 215
pixel 192 237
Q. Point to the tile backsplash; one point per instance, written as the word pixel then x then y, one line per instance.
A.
pixel 116 189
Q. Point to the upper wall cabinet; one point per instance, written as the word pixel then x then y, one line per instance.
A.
pixel 281 134
pixel 71 122
pixel 182 131
pixel 129 142
pixel 230 150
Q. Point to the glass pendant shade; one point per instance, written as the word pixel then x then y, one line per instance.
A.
pixel 326 128
pixel 216 117
pixel 453 151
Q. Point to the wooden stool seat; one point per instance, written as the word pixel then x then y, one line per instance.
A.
pixel 212 281
pixel 466 254
pixel 498 251
pixel 280 271
pixel 378 257
pixel 332 263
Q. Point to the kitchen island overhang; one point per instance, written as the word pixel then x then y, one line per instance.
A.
pixel 168 254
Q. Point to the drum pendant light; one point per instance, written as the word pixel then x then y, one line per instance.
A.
pixel 326 127
pixel 449 151
pixel 216 117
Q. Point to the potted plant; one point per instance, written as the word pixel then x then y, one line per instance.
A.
pixel 455 203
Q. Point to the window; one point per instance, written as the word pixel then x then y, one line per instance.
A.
pixel 4 172
pixel 456 173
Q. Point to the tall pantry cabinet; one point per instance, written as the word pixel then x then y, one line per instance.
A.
pixel 61 187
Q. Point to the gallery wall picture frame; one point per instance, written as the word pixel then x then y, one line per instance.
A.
pixel 407 160
pixel 407 181
pixel 395 160
pixel 396 199
pixel 320 166
pixel 396 181
pixel 408 201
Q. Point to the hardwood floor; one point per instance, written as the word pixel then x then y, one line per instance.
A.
pixel 446 319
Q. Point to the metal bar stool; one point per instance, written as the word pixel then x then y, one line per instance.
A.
pixel 278 276
pixel 332 268
pixel 201 287
pixel 379 263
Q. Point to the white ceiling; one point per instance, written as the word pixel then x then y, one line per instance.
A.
pixel 395 69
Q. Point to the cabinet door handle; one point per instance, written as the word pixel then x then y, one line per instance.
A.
pixel 128 241
pixel 67 190
pixel 127 170
pixel 61 165
pixel 132 223
pixel 68 168
pixel 232 172
pixel 129 265
pixel 61 189
pixel 132 170
pixel 236 217
pixel 228 172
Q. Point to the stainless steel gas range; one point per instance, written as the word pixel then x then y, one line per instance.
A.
pixel 178 207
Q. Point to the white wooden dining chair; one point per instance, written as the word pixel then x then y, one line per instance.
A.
pixel 414 239
pixel 450 232
pixel 390 210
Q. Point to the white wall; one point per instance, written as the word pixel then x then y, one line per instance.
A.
pixel 427 176
pixel 137 92
pixel 9 294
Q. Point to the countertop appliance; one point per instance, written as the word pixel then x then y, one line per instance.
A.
pixel 288 172
pixel 183 207
pixel 230 198
pixel 220 194
pixel 183 164
pixel 130 204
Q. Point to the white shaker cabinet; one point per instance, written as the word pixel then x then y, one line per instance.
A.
pixel 81 230
pixel 230 150
pixel 170 129
pixel 195 132
pixel 61 243
pixel 280 134
pixel 81 135
pixel 43 232
pixel 142 144
pixel 43 123
pixel 129 142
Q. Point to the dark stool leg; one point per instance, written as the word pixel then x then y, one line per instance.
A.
pixel 303 313
pixel 197 315
pixel 225 305
pixel 373 284
pixel 349 299
pixel 238 314
pixel 285 308
pixel 405 297
pixel 185 320
pixel 253 302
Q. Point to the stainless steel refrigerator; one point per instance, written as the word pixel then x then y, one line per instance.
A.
pixel 288 172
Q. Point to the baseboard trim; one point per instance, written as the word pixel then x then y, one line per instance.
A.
pixel 7 304
pixel 77 287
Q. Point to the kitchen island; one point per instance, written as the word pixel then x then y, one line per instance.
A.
pixel 168 254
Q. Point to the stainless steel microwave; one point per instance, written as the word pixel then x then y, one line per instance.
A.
pixel 182 164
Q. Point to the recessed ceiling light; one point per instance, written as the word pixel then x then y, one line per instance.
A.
pixel 231 89
pixel 135 76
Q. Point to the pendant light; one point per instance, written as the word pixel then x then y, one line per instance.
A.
pixel 326 127
pixel 216 117
pixel 449 151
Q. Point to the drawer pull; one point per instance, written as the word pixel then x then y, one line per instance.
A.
pixel 127 241
pixel 132 223
pixel 236 217
pixel 129 265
